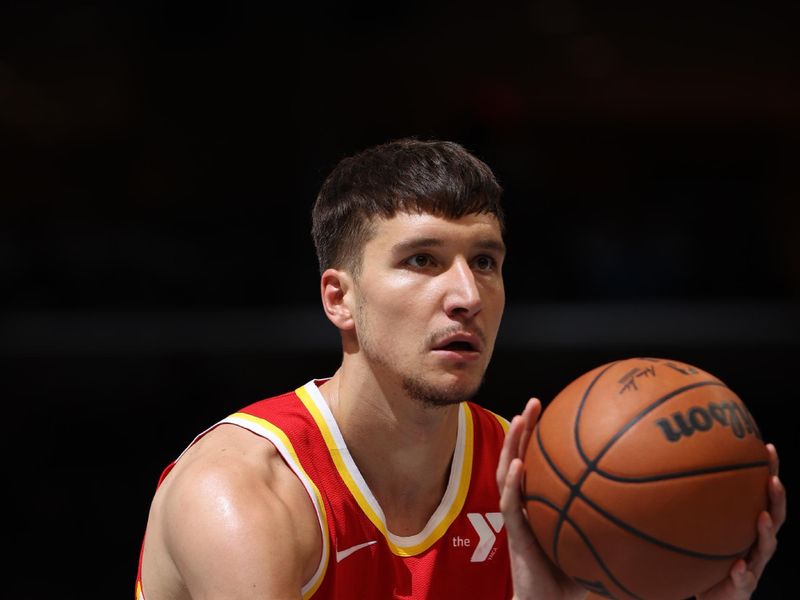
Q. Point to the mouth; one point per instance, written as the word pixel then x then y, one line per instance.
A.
pixel 463 346
pixel 458 347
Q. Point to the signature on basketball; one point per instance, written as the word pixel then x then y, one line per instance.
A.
pixel 702 418
pixel 628 381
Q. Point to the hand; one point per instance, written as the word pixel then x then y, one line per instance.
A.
pixel 534 575
pixel 745 573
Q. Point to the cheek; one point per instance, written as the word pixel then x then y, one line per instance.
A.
pixel 403 295
pixel 493 294
pixel 493 308
pixel 501 301
pixel 393 310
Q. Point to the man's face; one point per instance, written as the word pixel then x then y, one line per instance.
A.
pixel 428 303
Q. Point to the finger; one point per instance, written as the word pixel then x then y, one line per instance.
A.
pixel 744 580
pixel 777 502
pixel 777 493
pixel 521 540
pixel 530 416
pixel 765 545
pixel 508 453
pixel 511 498
pixel 774 461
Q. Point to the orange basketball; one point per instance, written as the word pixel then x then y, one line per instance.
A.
pixel 644 479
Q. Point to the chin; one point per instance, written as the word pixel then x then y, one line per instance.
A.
pixel 433 393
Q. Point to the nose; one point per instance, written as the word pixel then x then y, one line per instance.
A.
pixel 462 297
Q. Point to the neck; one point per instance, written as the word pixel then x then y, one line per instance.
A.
pixel 402 447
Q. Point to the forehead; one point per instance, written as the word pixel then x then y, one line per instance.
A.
pixel 408 229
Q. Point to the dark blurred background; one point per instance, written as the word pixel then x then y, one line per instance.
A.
pixel 158 162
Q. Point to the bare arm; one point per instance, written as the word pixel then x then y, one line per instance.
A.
pixel 235 523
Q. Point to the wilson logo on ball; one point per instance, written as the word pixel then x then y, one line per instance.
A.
pixel 699 418
pixel 629 514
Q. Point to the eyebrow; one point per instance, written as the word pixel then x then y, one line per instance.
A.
pixel 431 242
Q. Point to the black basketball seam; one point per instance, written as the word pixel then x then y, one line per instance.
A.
pixel 586 541
pixel 620 432
pixel 592 466
pixel 580 410
pixel 573 487
pixel 662 544
pixel 561 513
pixel 682 474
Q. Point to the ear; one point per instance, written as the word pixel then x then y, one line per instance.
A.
pixel 335 285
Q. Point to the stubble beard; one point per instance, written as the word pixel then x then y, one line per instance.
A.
pixel 433 396
pixel 415 386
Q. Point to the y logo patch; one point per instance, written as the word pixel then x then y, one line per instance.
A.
pixel 486 536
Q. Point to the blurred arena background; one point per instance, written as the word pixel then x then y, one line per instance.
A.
pixel 159 162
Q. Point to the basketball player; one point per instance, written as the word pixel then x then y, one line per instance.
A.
pixel 380 481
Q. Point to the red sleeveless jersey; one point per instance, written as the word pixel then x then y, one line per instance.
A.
pixel 462 552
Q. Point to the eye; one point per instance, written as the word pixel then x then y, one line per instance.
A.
pixel 420 261
pixel 484 263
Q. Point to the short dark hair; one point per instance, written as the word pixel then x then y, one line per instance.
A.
pixel 407 175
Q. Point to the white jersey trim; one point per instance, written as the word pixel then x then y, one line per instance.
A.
pixel 453 485
pixel 261 427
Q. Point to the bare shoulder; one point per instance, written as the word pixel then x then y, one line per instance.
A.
pixel 231 516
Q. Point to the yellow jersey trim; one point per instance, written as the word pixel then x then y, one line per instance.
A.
pixel 502 420
pixel 281 442
pixel 456 491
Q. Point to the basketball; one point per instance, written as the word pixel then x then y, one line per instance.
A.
pixel 644 479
